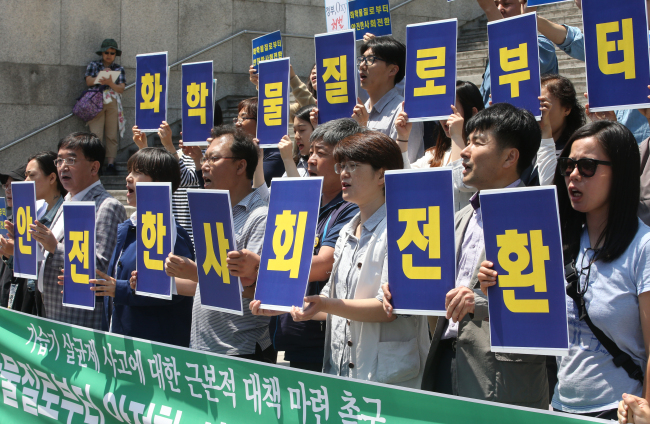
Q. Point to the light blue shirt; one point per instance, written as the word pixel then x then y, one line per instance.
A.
pixel 574 46
pixel 588 380
pixel 547 65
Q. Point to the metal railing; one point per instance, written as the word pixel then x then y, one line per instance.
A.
pixel 210 47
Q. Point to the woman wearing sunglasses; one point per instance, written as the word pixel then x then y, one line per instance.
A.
pixel 105 124
pixel 361 341
pixel 598 194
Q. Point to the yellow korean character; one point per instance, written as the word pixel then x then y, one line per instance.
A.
pixel 196 95
pixel 80 253
pixel 24 219
pixel 429 236
pixel 151 90
pixel 625 45
pixel 153 231
pixel 508 65
pixel 336 92
pixel 385 8
pixel 211 261
pixel 430 67
pixel 288 233
pixel 273 104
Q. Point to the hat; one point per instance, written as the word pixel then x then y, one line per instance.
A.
pixel 17 174
pixel 107 44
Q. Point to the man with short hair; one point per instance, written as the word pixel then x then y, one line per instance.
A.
pixel 229 164
pixel 80 156
pixel 303 342
pixel 503 141
pixel 382 64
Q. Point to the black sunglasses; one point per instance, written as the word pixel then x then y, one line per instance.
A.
pixel 110 53
pixel 586 167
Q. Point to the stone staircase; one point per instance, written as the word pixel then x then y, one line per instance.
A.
pixel 473 47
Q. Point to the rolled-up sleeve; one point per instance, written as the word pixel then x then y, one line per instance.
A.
pixel 574 43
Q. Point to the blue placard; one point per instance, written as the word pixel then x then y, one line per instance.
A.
pixel 24 211
pixel 616 51
pixel 79 254
pixel 151 90
pixel 336 67
pixel 213 229
pixel 267 47
pixel 156 233
pixel 421 247
pixel 532 3
pixel 273 102
pixel 514 62
pixel 430 86
pixel 3 216
pixel 198 103
pixel 371 16
pixel 527 306
pixel 288 242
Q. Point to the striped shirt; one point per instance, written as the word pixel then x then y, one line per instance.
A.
pixel 189 179
pixel 225 333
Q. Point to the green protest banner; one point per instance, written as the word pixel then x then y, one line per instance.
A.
pixel 52 372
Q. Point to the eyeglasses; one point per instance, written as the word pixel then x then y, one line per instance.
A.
pixel 6 187
pixel 215 159
pixel 586 167
pixel 68 161
pixel 345 166
pixel 110 53
pixel 368 60
pixel 236 120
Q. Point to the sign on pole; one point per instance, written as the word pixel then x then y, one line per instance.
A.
pixel 214 237
pixel 527 306
pixel 79 256
pixel 151 91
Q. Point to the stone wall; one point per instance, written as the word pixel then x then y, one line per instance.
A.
pixel 46 45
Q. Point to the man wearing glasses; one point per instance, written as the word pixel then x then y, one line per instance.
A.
pixel 381 65
pixel 229 164
pixel 80 156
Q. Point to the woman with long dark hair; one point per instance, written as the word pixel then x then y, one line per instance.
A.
pixel 567 114
pixel 598 186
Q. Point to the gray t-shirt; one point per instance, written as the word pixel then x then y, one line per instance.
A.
pixel 588 380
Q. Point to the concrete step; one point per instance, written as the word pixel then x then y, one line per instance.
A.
pixel 120 195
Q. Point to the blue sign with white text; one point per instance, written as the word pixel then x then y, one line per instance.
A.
pixel 79 254
pixel 3 216
pixel 150 91
pixel 198 104
pixel 288 242
pixel 616 52
pixel 273 102
pixel 430 86
pixel 514 62
pixel 421 247
pixel 214 237
pixel 336 68
pixel 370 16
pixel 527 306
pixel 156 233
pixel 267 47
pixel 25 248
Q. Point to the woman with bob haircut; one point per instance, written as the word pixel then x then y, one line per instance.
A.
pixel 608 248
pixel 361 340
pixel 160 320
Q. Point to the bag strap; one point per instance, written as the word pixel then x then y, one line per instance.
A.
pixel 621 359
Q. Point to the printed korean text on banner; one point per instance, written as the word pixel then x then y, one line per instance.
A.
pixel 532 3
pixel 514 62
pixel 58 373
pixel 421 247
pixel 430 87
pixel 616 51
pixel 288 242
pixel 336 15
pixel 151 91
pixel 371 16
pixel 267 47
pixel 273 102
pixel 24 211
pixel 156 234
pixel 79 254
pixel 198 103
pixel 336 67
pixel 3 216
pixel 214 237
pixel 527 306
